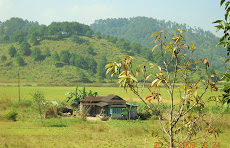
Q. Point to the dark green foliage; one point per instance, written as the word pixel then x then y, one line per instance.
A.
pixel 72 59
pixel 56 56
pixel 90 50
pixel 19 36
pixel 82 76
pixel 19 30
pixel 89 33
pixel 11 115
pixel 58 125
pixel 79 61
pixel 77 40
pixel 59 64
pixel 5 38
pixel 36 54
pixel 20 60
pixel 25 48
pixel 15 24
pixel 69 28
pixel 90 64
pixel 101 67
pixel 140 29
pixel 3 58
pixel 143 113
pixel 65 56
pixel 33 40
pixel 12 51
pixel 98 35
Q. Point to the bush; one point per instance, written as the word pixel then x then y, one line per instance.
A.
pixel 104 118
pixel 11 115
pixel 143 112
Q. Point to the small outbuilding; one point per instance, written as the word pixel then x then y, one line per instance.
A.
pixel 112 106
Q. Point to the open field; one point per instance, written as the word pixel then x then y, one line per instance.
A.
pixel 58 93
pixel 27 131
pixel 78 133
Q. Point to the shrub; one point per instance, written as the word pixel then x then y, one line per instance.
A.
pixel 143 113
pixel 11 115
pixel 104 118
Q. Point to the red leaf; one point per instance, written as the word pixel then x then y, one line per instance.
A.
pixel 148 97
pixel 197 83
pixel 190 63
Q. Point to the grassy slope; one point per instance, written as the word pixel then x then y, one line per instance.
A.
pixel 46 72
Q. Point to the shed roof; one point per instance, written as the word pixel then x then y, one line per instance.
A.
pixel 101 104
pixel 119 106
pixel 91 99
pixel 113 98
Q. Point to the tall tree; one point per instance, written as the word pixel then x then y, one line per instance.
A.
pixel 36 54
pixel 25 48
pixel 183 123
pixel 65 56
pixel 19 36
pixel 3 58
pixel 20 60
pixel 6 38
pixel 12 51
pixel 101 68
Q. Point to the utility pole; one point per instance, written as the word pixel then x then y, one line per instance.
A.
pixel 18 86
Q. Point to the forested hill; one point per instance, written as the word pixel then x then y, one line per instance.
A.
pixel 60 53
pixel 140 29
pixel 64 53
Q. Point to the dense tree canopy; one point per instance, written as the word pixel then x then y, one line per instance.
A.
pixel 140 29
pixel 19 30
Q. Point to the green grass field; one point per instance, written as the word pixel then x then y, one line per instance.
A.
pixel 58 93
pixel 27 131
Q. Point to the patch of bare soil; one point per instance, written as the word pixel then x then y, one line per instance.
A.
pixel 93 118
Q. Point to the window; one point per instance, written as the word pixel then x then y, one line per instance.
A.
pixel 115 110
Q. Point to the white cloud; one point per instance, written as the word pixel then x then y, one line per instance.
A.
pixel 88 13
pixel 5 9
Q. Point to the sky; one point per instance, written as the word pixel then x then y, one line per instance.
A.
pixel 195 13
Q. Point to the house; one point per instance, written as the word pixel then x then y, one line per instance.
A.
pixel 111 105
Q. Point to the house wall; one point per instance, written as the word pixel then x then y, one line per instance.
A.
pixel 116 116
pixel 115 113
pixel 133 113
pixel 81 107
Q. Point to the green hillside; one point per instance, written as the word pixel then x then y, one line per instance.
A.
pixel 65 53
pixel 140 29
pixel 49 70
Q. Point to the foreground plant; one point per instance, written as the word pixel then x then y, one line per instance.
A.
pixel 224 25
pixel 181 123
